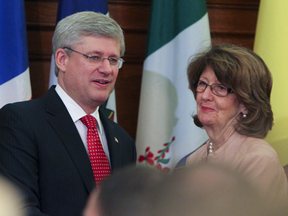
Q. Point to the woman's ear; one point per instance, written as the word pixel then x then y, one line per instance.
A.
pixel 60 59
pixel 243 109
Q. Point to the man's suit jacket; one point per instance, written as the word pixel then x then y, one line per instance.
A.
pixel 42 153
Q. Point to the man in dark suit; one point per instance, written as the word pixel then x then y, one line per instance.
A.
pixel 43 143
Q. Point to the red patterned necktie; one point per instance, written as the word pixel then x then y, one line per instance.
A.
pixel 98 158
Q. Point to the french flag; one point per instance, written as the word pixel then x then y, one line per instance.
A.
pixel 14 70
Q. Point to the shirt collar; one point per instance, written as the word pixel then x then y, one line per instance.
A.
pixel 75 111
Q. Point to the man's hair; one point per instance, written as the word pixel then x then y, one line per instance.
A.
pixel 71 29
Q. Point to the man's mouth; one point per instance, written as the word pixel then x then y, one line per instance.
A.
pixel 102 81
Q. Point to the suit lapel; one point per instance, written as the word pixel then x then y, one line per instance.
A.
pixel 114 142
pixel 60 120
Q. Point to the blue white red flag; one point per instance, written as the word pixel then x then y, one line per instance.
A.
pixel 68 7
pixel 14 76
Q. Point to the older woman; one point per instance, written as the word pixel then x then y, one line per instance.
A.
pixel 232 87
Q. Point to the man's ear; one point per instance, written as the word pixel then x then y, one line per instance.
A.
pixel 60 59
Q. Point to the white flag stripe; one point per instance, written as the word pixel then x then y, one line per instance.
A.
pixel 16 89
pixel 199 35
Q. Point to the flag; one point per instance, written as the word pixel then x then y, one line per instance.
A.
pixel 69 7
pixel 14 79
pixel 165 130
pixel 271 43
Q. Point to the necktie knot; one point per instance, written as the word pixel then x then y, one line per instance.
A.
pixel 89 121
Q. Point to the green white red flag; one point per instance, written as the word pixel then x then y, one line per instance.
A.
pixel 166 132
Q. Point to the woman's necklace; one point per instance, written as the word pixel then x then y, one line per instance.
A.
pixel 210 148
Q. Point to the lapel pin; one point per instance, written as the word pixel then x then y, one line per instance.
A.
pixel 116 140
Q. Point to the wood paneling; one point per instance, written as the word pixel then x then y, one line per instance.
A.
pixel 233 21
pixel 230 21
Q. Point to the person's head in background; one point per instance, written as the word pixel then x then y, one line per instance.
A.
pixel 205 190
pixel 88 47
pixel 125 193
pixel 10 199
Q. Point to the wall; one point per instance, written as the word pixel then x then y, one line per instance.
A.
pixel 230 21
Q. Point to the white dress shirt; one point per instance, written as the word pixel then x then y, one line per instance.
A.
pixel 76 113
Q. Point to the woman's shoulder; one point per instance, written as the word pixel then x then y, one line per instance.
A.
pixel 259 144
pixel 256 146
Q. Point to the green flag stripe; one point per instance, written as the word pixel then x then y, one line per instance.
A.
pixel 169 18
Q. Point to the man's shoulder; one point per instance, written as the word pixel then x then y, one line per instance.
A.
pixel 21 106
pixel 30 106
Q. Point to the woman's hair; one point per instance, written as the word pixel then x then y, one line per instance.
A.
pixel 247 75
pixel 71 29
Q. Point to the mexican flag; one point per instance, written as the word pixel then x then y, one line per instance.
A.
pixel 271 43
pixel 166 132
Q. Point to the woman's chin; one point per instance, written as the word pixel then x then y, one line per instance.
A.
pixel 207 124
pixel 207 121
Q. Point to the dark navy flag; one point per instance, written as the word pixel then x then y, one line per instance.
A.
pixel 14 75
pixel 68 7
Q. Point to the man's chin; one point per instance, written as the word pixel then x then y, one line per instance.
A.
pixel 102 100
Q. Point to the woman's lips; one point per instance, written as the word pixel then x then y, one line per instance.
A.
pixel 206 108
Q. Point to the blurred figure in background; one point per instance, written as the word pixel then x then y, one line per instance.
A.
pixel 125 193
pixel 10 199
pixel 206 190
pixel 201 190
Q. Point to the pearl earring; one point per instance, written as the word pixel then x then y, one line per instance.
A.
pixel 244 115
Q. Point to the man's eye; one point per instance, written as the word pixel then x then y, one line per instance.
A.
pixel 113 60
pixel 95 57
